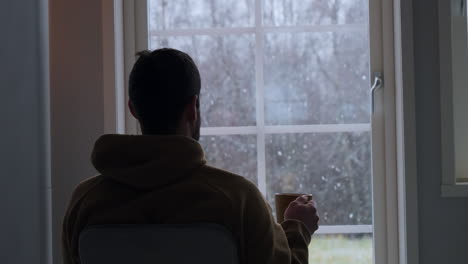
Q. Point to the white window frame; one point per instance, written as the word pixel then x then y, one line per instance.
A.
pixel 260 129
pixel 450 187
pixel 395 225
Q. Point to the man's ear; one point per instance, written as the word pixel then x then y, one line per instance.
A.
pixel 132 109
pixel 192 109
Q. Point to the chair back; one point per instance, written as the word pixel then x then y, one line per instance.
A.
pixel 157 244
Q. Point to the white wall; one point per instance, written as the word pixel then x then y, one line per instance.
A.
pixel 443 222
pixel 76 98
pixel 24 152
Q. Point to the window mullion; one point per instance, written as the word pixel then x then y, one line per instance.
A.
pixel 260 103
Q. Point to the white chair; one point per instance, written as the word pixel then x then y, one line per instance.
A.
pixel 157 244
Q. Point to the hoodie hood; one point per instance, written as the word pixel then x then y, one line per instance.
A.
pixel 148 161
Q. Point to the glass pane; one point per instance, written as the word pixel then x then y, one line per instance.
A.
pixel 314 12
pixel 334 167
pixel 237 154
pixel 462 179
pixel 183 14
pixel 226 66
pixel 317 78
pixel 337 249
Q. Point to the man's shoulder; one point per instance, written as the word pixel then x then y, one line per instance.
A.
pixel 85 186
pixel 228 180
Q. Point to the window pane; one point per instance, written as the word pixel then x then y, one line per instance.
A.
pixel 316 78
pixel 180 14
pixel 355 248
pixel 334 167
pixel 314 12
pixel 237 154
pixel 226 65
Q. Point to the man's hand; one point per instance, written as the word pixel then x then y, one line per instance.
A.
pixel 305 211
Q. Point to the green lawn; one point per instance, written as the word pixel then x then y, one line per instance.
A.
pixel 338 249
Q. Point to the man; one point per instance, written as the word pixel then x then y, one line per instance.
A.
pixel 161 177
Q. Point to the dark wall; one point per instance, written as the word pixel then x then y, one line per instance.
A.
pixel 24 155
pixel 443 222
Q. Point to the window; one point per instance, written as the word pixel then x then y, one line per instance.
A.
pixel 453 44
pixel 285 103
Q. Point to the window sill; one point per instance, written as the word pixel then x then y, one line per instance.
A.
pixel 457 190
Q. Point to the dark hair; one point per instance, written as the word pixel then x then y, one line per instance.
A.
pixel 161 84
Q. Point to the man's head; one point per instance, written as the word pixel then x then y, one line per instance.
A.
pixel 164 89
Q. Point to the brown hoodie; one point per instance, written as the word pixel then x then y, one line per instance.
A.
pixel 165 180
